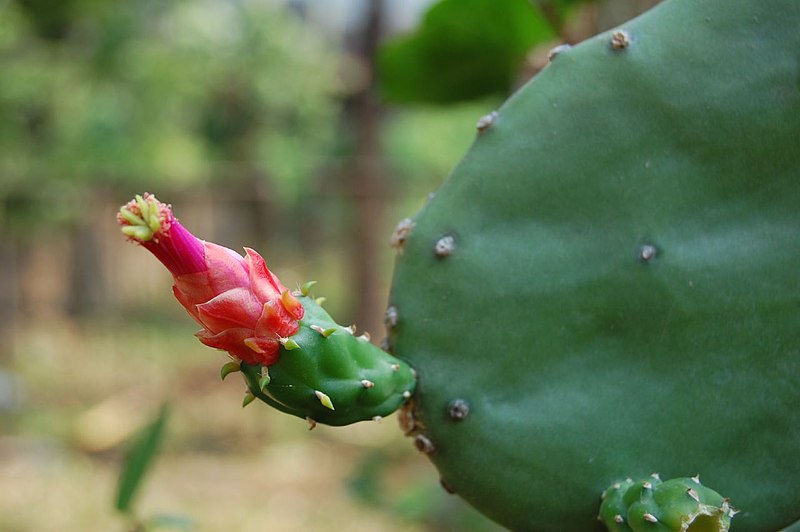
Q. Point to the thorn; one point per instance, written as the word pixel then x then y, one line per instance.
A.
pixel 311 423
pixel 619 519
pixel 289 344
pixel 351 329
pixel 445 246
pixel 620 40
pixel 647 253
pixel 306 288
pixel 320 301
pixel 324 332
pixel 377 419
pixel 264 380
pixel 650 517
pixel 391 317
pixel 324 399
pixel 367 383
pixel 458 409
pixel 406 395
pixel 365 336
pixel 486 121
pixel 395 367
pixel 227 369
pixel 424 444
pixel 400 234
pixel 561 48
pixel 696 478
pixel 655 476
pixel 646 485
pixel 693 494
pixel 248 398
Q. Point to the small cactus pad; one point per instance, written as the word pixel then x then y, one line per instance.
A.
pixel 677 505
pixel 623 292
pixel 328 375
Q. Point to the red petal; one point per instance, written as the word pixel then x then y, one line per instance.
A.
pixel 275 321
pixel 187 303
pixel 226 268
pixel 262 281
pixel 232 341
pixel 267 349
pixel 292 305
pixel 234 308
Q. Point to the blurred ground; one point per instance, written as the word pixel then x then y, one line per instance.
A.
pixel 222 467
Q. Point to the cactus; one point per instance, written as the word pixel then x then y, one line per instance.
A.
pixel 679 504
pixel 292 355
pixel 329 375
pixel 607 285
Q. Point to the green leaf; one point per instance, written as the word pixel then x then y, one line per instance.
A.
pixel 140 458
pixel 464 49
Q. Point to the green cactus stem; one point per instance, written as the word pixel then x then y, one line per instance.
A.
pixel 676 505
pixel 329 375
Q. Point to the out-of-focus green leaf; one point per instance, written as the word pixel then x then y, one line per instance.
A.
pixel 463 49
pixel 139 459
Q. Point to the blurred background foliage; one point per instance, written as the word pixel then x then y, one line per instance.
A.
pixel 303 128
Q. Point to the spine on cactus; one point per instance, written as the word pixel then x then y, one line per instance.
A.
pixel 292 354
pixel 676 505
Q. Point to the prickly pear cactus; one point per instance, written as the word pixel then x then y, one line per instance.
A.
pixel 609 283
pixel 679 504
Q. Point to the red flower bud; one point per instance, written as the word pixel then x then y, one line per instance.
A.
pixel 243 308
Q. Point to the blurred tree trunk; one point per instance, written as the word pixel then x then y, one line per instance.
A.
pixel 366 181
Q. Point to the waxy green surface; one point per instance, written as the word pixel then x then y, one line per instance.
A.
pixel 356 380
pixel 584 357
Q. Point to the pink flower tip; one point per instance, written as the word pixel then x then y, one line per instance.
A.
pixel 241 305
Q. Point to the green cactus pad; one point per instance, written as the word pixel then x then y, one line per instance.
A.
pixel 677 505
pixel 621 291
pixel 328 375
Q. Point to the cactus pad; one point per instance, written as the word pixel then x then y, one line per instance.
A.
pixel 608 283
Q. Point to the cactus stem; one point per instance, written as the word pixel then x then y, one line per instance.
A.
pixel 650 517
pixel 620 40
pixel 445 246
pixel 227 369
pixel 306 288
pixel 486 121
pixel 367 383
pixel 324 399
